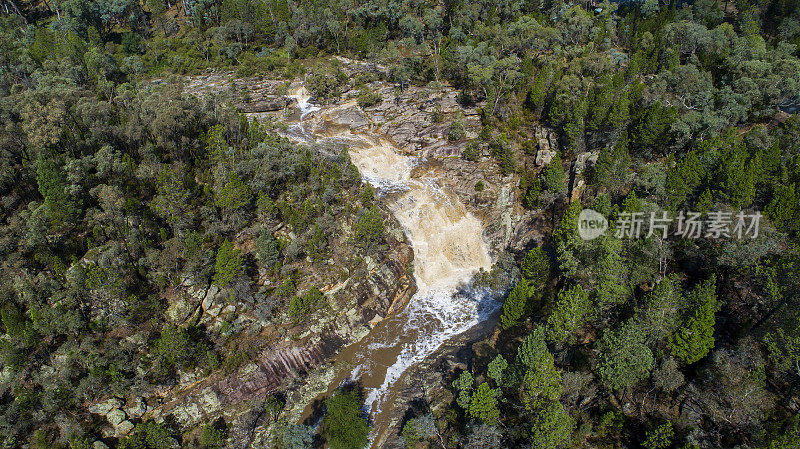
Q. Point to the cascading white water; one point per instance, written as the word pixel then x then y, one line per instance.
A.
pixel 448 249
pixel 303 98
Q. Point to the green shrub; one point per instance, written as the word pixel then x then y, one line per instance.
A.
pixel 418 429
pixel 229 265
pixel 306 304
pixel 326 84
pixel 369 229
pixel 501 150
pixel 555 179
pixel 471 152
pixel 536 266
pixel 457 131
pixel 660 437
pixel 234 195
pixel 483 405
pixel 184 348
pixel 148 435
pixel 294 436
pixel 344 427
pixel 267 249
pixel 368 98
pixel 213 436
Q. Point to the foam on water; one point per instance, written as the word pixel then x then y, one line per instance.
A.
pixel 303 98
pixel 435 317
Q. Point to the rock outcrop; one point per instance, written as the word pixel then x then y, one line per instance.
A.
pixel 118 416
pixel 356 307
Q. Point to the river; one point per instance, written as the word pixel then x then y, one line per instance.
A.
pixel 449 249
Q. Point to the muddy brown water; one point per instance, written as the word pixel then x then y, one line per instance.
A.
pixel 449 249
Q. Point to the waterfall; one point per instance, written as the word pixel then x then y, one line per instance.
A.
pixel 449 249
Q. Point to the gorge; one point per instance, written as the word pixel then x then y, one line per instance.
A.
pixel 449 248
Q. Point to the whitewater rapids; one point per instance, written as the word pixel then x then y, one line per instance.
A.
pixel 448 246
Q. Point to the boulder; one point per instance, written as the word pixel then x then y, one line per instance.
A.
pixel 583 160
pixel 103 408
pixel 552 140
pixel 124 428
pixel 211 298
pixel 543 157
pixel 186 378
pixel 187 413
pixel 137 409
pixel 351 116
pixel 230 308
pixel 99 445
pixel 179 310
pixel 375 320
pixel 577 189
pixel 209 402
pixel 116 416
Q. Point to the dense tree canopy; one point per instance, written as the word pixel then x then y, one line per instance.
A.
pixel 120 192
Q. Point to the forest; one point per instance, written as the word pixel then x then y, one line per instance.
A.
pixel 117 187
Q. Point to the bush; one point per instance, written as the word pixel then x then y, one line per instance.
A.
pixel 148 435
pixel 660 437
pixel 234 195
pixel 555 179
pixel 295 436
pixel 516 304
pixel 184 348
pixel 418 429
pixel 483 436
pixel 536 266
pixel 267 249
pixel 483 405
pixel 301 306
pixel 324 85
pixel 457 131
pixel 368 98
pixel 471 152
pixel 501 151
pixel 344 427
pixel 229 265
pixel 213 436
pixel 369 229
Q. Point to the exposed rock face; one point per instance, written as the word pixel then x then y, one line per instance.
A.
pixel 180 310
pixel 582 161
pixel 543 157
pixel 103 408
pixel 349 116
pixel 115 417
pixel 387 286
pixel 124 428
pixel 266 104
pixel 137 408
pixel 417 121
